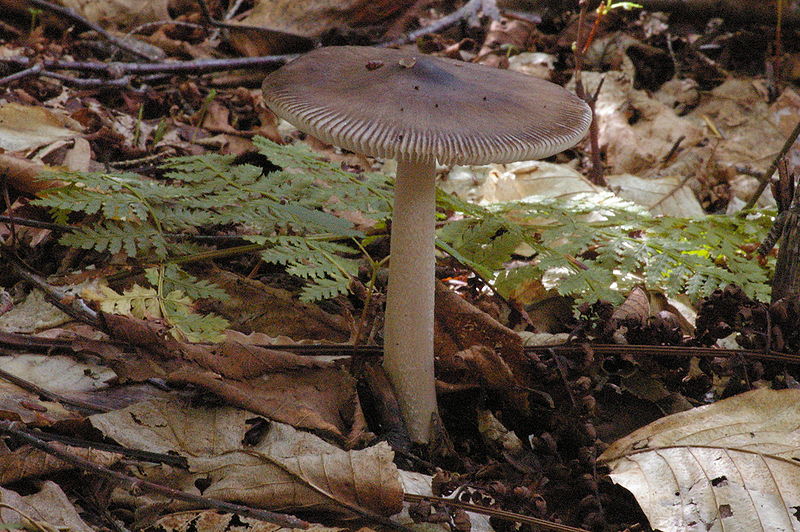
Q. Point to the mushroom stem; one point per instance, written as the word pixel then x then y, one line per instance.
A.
pixel 408 331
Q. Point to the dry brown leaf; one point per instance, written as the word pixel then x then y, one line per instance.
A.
pixel 668 196
pixel 302 391
pixel 636 306
pixel 120 14
pixel 277 467
pixel 27 462
pixel 254 306
pixel 733 465
pixel 49 506
pixel 296 24
pixel 460 326
pixel 24 127
pixel 214 521
pixel 22 173
pixel 321 400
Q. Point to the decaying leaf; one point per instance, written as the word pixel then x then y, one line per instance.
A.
pixel 238 456
pixel 120 14
pixel 459 326
pixel 27 462
pixel 214 521
pixel 257 307
pixel 733 465
pixel 23 127
pixel 301 391
pixel 670 195
pixel 33 314
pixel 48 508
pixel 495 183
pixel 22 173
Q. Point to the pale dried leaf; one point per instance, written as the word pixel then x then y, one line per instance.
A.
pixel 285 470
pixel 516 181
pixel 50 505
pixel 33 314
pixel 57 373
pixel 27 462
pixel 636 306
pixel 214 521
pixel 120 14
pixel 635 130
pixel 23 127
pixel 670 196
pixel 733 465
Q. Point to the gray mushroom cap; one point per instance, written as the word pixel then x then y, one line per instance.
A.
pixel 406 105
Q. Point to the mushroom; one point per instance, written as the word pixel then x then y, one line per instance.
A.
pixel 419 110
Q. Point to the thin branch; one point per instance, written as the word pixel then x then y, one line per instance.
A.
pixel 466 11
pixel 69 14
pixel 70 304
pixel 766 176
pixel 50 396
pixel 493 512
pixel 135 484
pixel 119 69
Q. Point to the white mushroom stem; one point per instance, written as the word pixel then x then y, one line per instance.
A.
pixel 408 330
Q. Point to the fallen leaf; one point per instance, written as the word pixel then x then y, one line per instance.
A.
pixel 49 506
pixel 275 466
pixel 254 306
pixel 669 196
pixel 120 14
pixel 321 397
pixel 27 462
pixel 22 173
pixel 24 127
pixel 33 314
pixel 733 465
pixel 215 521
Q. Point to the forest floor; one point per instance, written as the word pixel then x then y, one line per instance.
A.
pixel 172 364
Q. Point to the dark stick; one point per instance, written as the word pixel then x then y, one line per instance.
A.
pixel 117 70
pixel 218 24
pixel 67 303
pixel 50 396
pixel 465 11
pixel 134 484
pixel 766 176
pixel 81 21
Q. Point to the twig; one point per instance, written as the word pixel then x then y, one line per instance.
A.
pixel 118 69
pixel 135 484
pixel 467 10
pixel 50 396
pixel 71 15
pixel 581 43
pixel 493 512
pixel 766 176
pixel 67 303
pixel 32 71
pixel 672 150
pixel 137 454
pixel 239 27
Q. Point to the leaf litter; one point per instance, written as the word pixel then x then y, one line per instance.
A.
pixel 259 421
